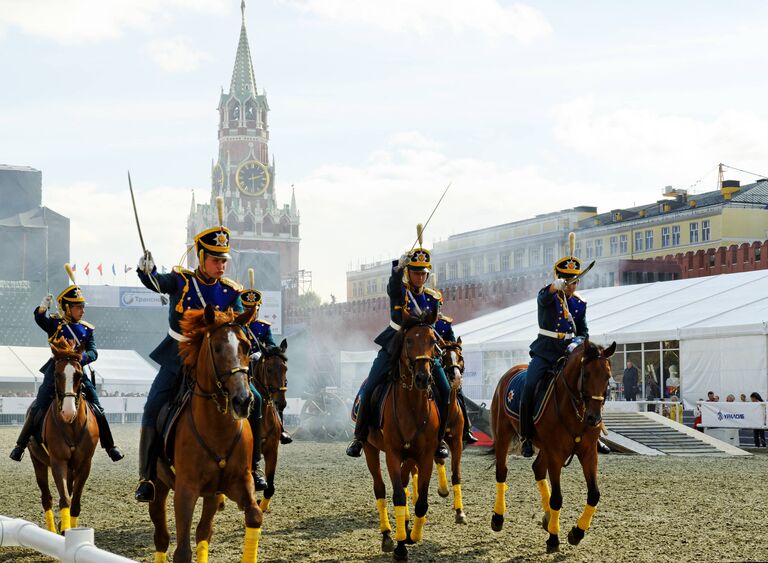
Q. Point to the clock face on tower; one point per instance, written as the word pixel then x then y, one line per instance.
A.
pixel 252 177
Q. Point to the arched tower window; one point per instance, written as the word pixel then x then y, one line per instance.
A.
pixel 268 225
pixel 249 225
pixel 234 111
pixel 285 225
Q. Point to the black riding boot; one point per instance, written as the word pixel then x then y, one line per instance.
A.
pixel 259 482
pixel 355 449
pixel 442 449
pixel 26 433
pixel 469 438
pixel 105 435
pixel 285 438
pixel 526 421
pixel 145 492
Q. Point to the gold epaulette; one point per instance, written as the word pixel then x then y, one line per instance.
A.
pixel 579 297
pixel 231 283
pixel 446 318
pixel 262 321
pixel 434 293
pixel 182 271
pixel 87 325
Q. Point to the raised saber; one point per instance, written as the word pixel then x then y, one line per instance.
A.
pixel 163 298
pixel 418 236
pixel 575 279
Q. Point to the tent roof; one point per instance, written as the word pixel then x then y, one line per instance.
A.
pixel 723 305
pixel 22 364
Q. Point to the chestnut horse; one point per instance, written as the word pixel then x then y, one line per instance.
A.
pixel 213 440
pixel 71 434
pixel 269 376
pixel 568 426
pixel 409 432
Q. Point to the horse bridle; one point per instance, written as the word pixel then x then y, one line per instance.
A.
pixel 268 389
pixel 411 363
pixel 581 399
pixel 220 378
pixel 61 396
pixel 459 364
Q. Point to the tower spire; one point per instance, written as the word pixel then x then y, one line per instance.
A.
pixel 243 82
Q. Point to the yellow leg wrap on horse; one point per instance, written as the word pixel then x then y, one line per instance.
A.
pixel 415 488
pixel 202 552
pixel 585 520
pixel 457 504
pixel 161 557
pixel 442 478
pixel 66 523
pixel 50 521
pixel 554 521
pixel 500 506
pixel 381 506
pixel 73 521
pixel 418 528
pixel 400 523
pixel 407 511
pixel 543 487
pixel 251 549
pixel 264 504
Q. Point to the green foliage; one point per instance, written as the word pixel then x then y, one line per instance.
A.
pixel 309 299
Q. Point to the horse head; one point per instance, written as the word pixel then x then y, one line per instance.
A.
pixel 68 373
pixel 453 362
pixel 271 372
pixel 216 352
pixel 590 366
pixel 418 349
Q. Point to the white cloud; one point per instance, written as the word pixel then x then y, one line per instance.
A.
pixel 73 22
pixel 491 18
pixel 176 54
pixel 675 145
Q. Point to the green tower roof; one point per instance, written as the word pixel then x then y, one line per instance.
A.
pixel 243 83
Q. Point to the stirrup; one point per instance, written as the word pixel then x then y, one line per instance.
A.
pixel 259 482
pixel 470 438
pixel 442 450
pixel 355 449
pixel 285 438
pixel 145 491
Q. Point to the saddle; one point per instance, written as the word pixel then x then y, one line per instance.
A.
pixel 38 424
pixel 376 403
pixel 169 415
pixel 513 395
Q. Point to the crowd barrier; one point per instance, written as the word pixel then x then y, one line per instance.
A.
pixel 76 546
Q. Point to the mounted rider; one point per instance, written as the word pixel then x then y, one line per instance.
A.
pixel 444 328
pixel 69 324
pixel 562 321
pixel 187 289
pixel 407 292
pixel 259 333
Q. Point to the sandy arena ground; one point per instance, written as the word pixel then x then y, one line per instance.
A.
pixel 667 509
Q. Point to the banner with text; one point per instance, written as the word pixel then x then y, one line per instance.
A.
pixel 733 415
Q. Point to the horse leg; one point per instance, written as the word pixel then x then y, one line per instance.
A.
pixel 380 492
pixel 555 504
pixel 253 520
pixel 59 471
pixel 204 530
pixel 159 519
pixel 422 505
pixel 542 485
pixel 409 470
pixel 589 466
pixel 399 500
pixel 270 466
pixel 41 475
pixel 184 501
pixel 442 476
pixel 456 451
pixel 77 490
pixel 503 437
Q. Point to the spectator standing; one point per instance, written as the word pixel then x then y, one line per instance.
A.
pixel 759 433
pixel 630 381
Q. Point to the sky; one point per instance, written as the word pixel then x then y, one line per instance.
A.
pixel 525 108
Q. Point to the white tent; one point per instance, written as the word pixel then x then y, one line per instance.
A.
pixel 116 370
pixel 719 323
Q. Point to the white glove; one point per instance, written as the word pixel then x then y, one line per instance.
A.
pixel 403 261
pixel 146 263
pixel 46 302
pixel 255 356
pixel 559 284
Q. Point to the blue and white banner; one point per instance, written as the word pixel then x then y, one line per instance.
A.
pixel 733 415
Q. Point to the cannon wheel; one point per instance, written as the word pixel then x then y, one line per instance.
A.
pixel 325 417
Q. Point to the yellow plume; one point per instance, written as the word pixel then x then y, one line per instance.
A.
pixel 220 209
pixel 251 278
pixel 70 273
pixel 420 234
pixel 572 243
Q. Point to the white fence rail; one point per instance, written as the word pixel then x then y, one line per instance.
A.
pixel 75 547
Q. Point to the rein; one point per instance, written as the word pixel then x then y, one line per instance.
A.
pixel 60 425
pixel 220 378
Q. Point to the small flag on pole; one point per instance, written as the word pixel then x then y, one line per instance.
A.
pixel 74 267
pixel 127 268
pixel 87 269
pixel 101 273
pixel 114 273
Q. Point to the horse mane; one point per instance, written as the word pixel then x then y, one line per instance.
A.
pixel 194 327
pixel 396 347
pixel 63 350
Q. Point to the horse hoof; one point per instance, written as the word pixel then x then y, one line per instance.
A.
pixel 575 535
pixel 387 545
pixel 553 544
pixel 545 521
pixel 401 552
pixel 408 539
pixel 497 521
pixel 461 518
pixel 442 492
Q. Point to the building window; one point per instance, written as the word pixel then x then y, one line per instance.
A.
pixel 518 259
pixel 505 262
pixel 694 233
pixel 614 246
pixel 453 270
pixel 441 272
pixel 639 241
pixel 549 255
pixel 705 230
pixel 664 237
pixel 675 235
pixel 757 253
pixel 649 240
pixel 534 254
pixel 577 250
pixel 477 264
pixel 466 269
pixel 590 250
pixel 598 248
pixel 491 264
pixel 622 244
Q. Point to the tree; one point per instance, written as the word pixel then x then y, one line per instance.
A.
pixel 309 299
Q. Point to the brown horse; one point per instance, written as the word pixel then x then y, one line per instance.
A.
pixel 408 437
pixel 71 434
pixel 270 378
pixel 568 426
pixel 213 441
pixel 453 364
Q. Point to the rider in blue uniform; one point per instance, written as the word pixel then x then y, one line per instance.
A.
pixel 444 328
pixel 406 291
pixel 259 333
pixel 562 318
pixel 79 333
pixel 187 289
